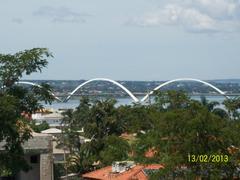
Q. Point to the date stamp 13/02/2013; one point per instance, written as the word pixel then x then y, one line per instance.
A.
pixel 204 158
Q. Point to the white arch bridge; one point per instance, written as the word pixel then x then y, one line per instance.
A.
pixel 134 98
pixel 184 79
pixel 34 84
pixel 107 80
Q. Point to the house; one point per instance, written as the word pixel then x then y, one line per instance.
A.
pixel 124 170
pixel 38 153
pixel 53 118
pixel 60 152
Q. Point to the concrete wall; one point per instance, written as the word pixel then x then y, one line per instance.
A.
pixel 34 173
pixel 40 144
pixel 46 167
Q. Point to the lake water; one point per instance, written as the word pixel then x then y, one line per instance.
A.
pixel 73 103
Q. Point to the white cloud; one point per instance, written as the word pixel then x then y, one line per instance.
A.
pixel 61 14
pixel 220 9
pixel 202 16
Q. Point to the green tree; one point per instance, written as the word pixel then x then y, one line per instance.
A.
pixel 135 118
pixel 39 127
pixel 185 127
pixel 16 103
pixel 102 125
pixel 233 107
pixel 173 127
pixel 102 120
pixel 115 149
pixel 213 106
pixel 169 100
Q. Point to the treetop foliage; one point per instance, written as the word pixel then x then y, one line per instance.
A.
pixel 173 127
pixel 14 66
pixel 18 101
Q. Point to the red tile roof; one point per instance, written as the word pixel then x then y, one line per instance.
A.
pixel 135 173
pixel 150 153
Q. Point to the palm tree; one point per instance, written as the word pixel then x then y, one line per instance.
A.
pixel 213 106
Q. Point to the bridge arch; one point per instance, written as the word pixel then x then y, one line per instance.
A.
pixel 107 80
pixel 34 84
pixel 184 79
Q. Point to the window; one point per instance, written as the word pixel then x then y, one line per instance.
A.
pixel 34 159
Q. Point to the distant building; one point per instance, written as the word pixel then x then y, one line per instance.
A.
pixel 54 119
pixel 38 153
pixel 53 131
pixel 125 170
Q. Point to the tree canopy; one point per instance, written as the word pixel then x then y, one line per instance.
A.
pixel 174 127
pixel 18 103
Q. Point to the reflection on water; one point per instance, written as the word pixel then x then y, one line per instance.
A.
pixel 73 103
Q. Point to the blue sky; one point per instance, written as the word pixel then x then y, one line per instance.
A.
pixel 127 40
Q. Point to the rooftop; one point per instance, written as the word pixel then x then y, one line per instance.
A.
pixel 39 143
pixel 138 172
pixel 52 131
